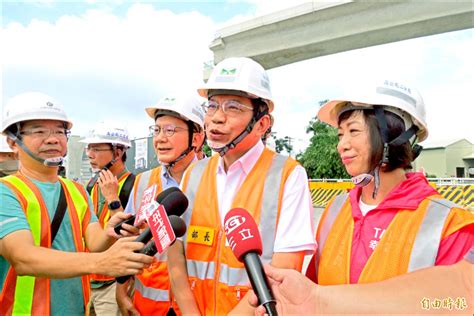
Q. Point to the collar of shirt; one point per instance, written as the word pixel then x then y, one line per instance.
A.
pixel 246 162
pixel 228 183
pixel 167 180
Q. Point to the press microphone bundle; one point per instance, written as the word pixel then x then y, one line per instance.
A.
pixel 159 198
pixel 179 228
pixel 244 239
pixel 175 203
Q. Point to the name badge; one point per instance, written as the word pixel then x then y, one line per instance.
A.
pixel 201 235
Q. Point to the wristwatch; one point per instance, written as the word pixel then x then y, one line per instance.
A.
pixel 114 205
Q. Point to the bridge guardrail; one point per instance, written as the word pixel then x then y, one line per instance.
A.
pixel 457 190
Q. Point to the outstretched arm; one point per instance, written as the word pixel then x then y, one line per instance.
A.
pixel 406 294
pixel 179 280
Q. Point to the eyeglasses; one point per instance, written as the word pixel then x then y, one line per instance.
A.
pixel 45 133
pixel 168 130
pixel 229 107
pixel 96 150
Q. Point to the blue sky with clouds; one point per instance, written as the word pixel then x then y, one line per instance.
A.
pixel 105 59
pixel 24 11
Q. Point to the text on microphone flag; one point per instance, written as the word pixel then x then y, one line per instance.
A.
pixel 160 226
pixel 147 198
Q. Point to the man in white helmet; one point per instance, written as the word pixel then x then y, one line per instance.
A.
pixel 8 160
pixel 177 135
pixel 109 189
pixel 205 276
pixel 43 255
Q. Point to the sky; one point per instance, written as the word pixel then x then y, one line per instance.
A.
pixel 111 59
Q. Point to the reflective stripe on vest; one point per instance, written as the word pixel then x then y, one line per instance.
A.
pixel 195 176
pixel 332 212
pixel 425 248
pixel 153 294
pixel 268 221
pixel 27 294
pixel 143 181
pixel 201 270
pixel 206 271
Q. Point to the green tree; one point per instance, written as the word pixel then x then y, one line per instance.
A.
pixel 207 150
pixel 283 144
pixel 321 159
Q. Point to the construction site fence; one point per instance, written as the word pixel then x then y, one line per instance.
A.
pixel 457 190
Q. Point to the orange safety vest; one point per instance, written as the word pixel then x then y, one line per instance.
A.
pixel 104 217
pixel 409 243
pixel 29 294
pixel 217 279
pixel 152 294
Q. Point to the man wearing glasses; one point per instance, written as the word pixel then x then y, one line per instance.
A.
pixel 177 135
pixel 47 222
pixel 205 276
pixel 109 189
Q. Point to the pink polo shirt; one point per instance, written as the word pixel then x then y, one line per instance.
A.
pixel 407 196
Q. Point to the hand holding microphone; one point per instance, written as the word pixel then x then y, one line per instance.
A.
pixel 174 203
pixel 160 197
pixel 244 239
pixel 179 228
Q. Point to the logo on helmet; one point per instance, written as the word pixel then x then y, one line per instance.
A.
pixel 397 85
pixel 49 104
pixel 228 72
pixel 227 75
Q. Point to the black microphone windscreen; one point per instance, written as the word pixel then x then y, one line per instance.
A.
pixel 160 197
pixel 178 224
pixel 175 203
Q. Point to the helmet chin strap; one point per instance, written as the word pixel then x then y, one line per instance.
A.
pixel 364 179
pixel 169 165
pixel 224 149
pixel 49 162
pixel 191 129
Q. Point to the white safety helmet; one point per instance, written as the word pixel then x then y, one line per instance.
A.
pixel 110 132
pixel 4 148
pixel 32 106
pixel 398 98
pixel 187 108
pixel 240 74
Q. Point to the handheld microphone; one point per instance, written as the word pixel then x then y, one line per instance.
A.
pixel 144 237
pixel 179 228
pixel 159 198
pixel 244 239
pixel 175 204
